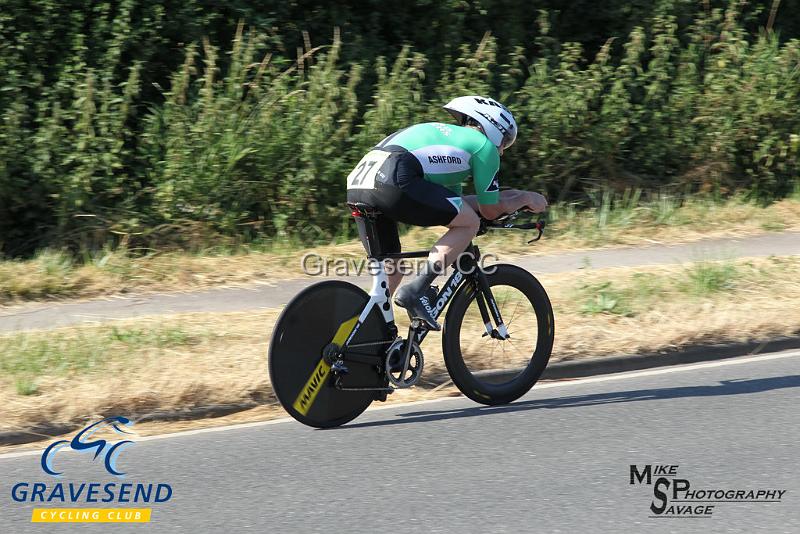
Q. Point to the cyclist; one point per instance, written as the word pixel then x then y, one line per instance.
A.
pixel 415 176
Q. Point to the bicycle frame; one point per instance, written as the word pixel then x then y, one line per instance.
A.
pixel 464 272
pixel 467 278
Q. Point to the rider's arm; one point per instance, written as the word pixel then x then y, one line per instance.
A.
pixel 511 200
pixel 485 167
pixel 492 203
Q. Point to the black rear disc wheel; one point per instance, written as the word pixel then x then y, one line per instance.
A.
pixel 299 376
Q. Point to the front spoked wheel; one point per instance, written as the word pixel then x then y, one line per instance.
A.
pixel 494 371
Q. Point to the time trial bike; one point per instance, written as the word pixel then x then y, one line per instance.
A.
pixel 335 348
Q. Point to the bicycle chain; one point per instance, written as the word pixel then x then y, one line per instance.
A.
pixel 371 344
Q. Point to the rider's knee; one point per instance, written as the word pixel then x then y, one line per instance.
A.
pixel 471 220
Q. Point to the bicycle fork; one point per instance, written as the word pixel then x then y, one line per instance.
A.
pixel 483 293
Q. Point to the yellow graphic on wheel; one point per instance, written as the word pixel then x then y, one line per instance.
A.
pixel 309 392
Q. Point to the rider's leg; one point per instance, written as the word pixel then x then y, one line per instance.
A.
pixel 472 201
pixel 415 294
pixel 462 230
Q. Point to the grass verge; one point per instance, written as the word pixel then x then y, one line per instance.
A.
pixel 613 222
pixel 135 367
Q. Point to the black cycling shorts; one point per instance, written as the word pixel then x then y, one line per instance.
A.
pixel 403 194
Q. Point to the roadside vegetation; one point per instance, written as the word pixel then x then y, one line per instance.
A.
pixel 142 366
pixel 614 221
pixel 169 126
pixel 167 146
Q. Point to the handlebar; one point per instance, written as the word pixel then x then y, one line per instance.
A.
pixel 509 222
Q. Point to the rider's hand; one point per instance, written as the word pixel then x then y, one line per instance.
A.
pixel 535 202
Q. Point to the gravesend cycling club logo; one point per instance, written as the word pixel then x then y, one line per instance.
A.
pixel 79 444
pixel 87 492
pixel 675 496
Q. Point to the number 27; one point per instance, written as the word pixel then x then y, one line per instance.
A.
pixel 361 174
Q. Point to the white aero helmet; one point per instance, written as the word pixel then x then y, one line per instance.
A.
pixel 497 122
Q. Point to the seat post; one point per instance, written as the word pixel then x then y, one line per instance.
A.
pixel 366 217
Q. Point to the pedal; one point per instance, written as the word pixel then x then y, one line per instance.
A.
pixel 339 368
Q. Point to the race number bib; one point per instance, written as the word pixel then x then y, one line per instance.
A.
pixel 363 176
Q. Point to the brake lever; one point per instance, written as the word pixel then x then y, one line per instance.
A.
pixel 507 222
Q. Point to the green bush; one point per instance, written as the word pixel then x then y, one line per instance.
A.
pixel 131 121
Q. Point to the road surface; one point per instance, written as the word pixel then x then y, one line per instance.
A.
pixel 558 460
pixel 54 314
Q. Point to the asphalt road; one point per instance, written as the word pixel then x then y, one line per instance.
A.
pixel 556 461
pixel 53 314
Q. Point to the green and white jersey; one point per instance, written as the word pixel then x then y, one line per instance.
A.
pixel 450 154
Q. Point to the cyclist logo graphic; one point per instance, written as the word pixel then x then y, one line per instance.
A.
pixel 81 443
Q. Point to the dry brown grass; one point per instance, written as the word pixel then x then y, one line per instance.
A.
pixel 763 303
pixel 55 275
pixel 218 359
pixel 136 367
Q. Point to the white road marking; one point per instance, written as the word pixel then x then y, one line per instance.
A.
pixel 548 385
